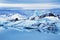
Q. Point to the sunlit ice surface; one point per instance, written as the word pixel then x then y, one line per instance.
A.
pixel 24 22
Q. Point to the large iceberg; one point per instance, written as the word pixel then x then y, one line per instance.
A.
pixel 48 23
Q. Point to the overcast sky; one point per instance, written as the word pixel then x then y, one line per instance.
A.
pixel 29 4
pixel 30 1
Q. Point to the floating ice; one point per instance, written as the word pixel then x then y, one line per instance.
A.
pixel 48 24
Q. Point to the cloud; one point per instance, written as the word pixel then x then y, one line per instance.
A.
pixel 29 1
pixel 31 6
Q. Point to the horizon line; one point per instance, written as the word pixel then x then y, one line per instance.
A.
pixel 32 6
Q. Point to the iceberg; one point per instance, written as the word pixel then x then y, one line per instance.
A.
pixel 48 23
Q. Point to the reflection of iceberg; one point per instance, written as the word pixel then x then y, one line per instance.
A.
pixel 22 23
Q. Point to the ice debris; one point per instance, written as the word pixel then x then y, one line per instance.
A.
pixel 49 23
